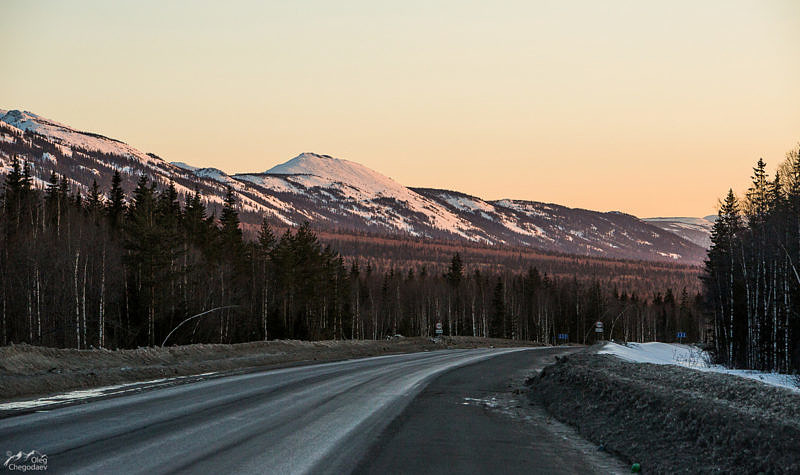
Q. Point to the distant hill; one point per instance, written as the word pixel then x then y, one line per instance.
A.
pixel 696 230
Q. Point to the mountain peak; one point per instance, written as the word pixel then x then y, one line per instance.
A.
pixel 338 170
pixel 310 163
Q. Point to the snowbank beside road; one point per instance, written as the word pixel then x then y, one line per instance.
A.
pixel 690 357
pixel 672 419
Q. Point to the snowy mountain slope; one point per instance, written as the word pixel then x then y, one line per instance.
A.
pixel 568 230
pixel 340 195
pixel 84 157
pixel 336 170
pixel 71 138
pixel 185 166
pixel 356 189
pixel 696 230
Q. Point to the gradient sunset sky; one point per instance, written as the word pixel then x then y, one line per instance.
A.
pixel 652 108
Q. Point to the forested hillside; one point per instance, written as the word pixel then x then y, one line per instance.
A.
pixel 752 280
pixel 102 269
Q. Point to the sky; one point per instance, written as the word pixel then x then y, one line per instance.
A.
pixel 654 108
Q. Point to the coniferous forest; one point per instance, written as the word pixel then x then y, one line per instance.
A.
pixel 114 270
pixel 752 278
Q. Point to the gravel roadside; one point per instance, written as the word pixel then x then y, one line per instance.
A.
pixel 27 371
pixel 672 419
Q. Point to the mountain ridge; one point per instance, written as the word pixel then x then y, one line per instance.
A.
pixel 696 230
pixel 335 193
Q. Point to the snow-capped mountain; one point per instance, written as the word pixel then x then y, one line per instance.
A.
pixel 342 196
pixel 696 230
pixel 342 191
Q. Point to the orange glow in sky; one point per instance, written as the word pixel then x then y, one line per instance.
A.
pixel 652 108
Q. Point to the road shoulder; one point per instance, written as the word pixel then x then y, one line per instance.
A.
pixel 476 419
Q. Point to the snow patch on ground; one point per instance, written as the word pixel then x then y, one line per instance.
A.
pixel 214 174
pixel 689 357
pixel 468 204
pixel 73 396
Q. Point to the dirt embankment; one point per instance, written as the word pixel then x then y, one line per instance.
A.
pixel 31 370
pixel 672 419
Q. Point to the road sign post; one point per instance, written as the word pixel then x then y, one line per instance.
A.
pixel 439 329
pixel 681 336
pixel 598 328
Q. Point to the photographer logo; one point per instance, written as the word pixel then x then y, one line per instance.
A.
pixel 33 461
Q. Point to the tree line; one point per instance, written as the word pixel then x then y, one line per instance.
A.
pixel 110 269
pixel 751 280
pixel 640 277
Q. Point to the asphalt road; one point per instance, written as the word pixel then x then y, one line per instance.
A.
pixel 389 414
pixel 474 420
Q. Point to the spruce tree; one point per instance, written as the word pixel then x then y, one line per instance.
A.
pixel 229 219
pixel 455 273
pixel 51 192
pixel 143 245
pixel 27 180
pixel 116 200
pixel 94 201
pixel 266 238
pixel 13 193
pixel 757 195
pixel 498 309
pixel 195 222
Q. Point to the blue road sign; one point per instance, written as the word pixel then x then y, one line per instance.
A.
pixel 563 336
pixel 681 334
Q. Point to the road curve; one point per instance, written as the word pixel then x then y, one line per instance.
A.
pixel 319 418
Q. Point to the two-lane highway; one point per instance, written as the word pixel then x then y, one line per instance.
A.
pixel 319 418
